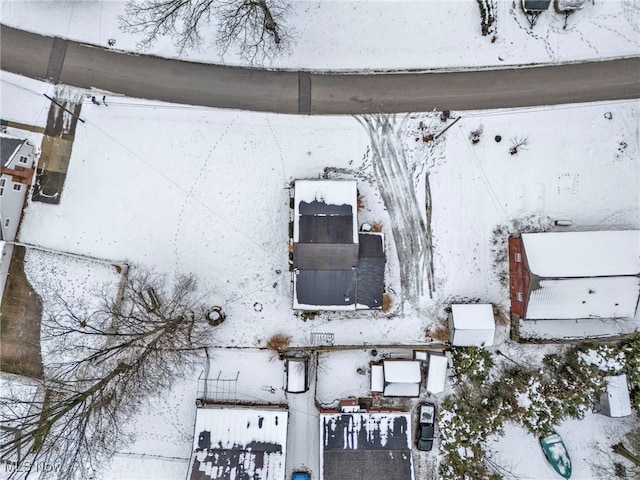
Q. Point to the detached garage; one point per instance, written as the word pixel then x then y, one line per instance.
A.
pixel 472 325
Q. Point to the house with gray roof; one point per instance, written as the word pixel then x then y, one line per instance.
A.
pixel 16 172
pixel 375 445
pixel 336 267
pixel 17 161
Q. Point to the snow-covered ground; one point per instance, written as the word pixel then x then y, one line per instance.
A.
pixel 212 198
pixel 381 35
pixel 204 191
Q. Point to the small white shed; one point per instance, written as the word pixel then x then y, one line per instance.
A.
pixel 437 373
pixel 296 369
pixel 401 378
pixel 615 399
pixel 377 379
pixel 472 325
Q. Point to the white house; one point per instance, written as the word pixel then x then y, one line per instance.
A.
pixel 472 325
pixel 18 159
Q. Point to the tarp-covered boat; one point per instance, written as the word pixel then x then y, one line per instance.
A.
pixel 557 454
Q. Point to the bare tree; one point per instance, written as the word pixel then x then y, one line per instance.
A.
pixel 104 364
pixel 518 143
pixel 256 28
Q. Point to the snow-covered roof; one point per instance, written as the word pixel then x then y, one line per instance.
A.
pixel 8 148
pixel 473 324
pixel 239 442
pixel 615 398
pixel 437 373
pixel 401 371
pixel 398 389
pixel 609 297
pixel 583 254
pixel 296 375
pixel 377 378
pixel 371 445
pixel 328 192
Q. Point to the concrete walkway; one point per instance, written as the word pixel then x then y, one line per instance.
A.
pixel 301 92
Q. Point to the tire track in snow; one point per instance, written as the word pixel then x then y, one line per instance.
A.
pixel 395 181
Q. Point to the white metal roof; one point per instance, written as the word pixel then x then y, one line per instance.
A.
pixel 239 431
pixel 377 378
pixel 437 374
pixel 617 396
pixel 402 390
pixel 401 371
pixel 473 324
pixel 583 254
pixel 610 297
pixel 330 192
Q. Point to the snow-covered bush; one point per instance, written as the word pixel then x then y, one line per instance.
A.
pixel 471 364
pixel 499 249
pixel 538 398
pixel 615 359
pixel 464 424
pixel 564 387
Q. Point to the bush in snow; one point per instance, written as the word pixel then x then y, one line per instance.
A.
pixel 615 359
pixel 464 424
pixel 538 398
pixel 488 17
pixel 500 236
pixel 563 388
pixel 471 364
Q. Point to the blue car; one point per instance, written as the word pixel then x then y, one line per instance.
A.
pixel 300 476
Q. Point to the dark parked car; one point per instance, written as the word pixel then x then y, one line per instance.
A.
pixel 426 426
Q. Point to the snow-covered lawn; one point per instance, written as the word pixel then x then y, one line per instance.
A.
pixel 204 191
pixel 189 189
pixel 588 442
pixel 372 34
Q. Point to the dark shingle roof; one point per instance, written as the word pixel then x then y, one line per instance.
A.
pixel 357 446
pixel 7 147
pixel 367 464
pixel 370 282
pixel 326 287
pixel 323 256
pixel 325 229
pixel 370 271
pixel 536 5
pixel 321 208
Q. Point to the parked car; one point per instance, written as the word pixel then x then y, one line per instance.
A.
pixel 300 476
pixel 426 426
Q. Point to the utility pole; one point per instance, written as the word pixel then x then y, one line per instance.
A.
pixel 62 107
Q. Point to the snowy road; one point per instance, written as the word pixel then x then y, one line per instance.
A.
pixel 287 91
